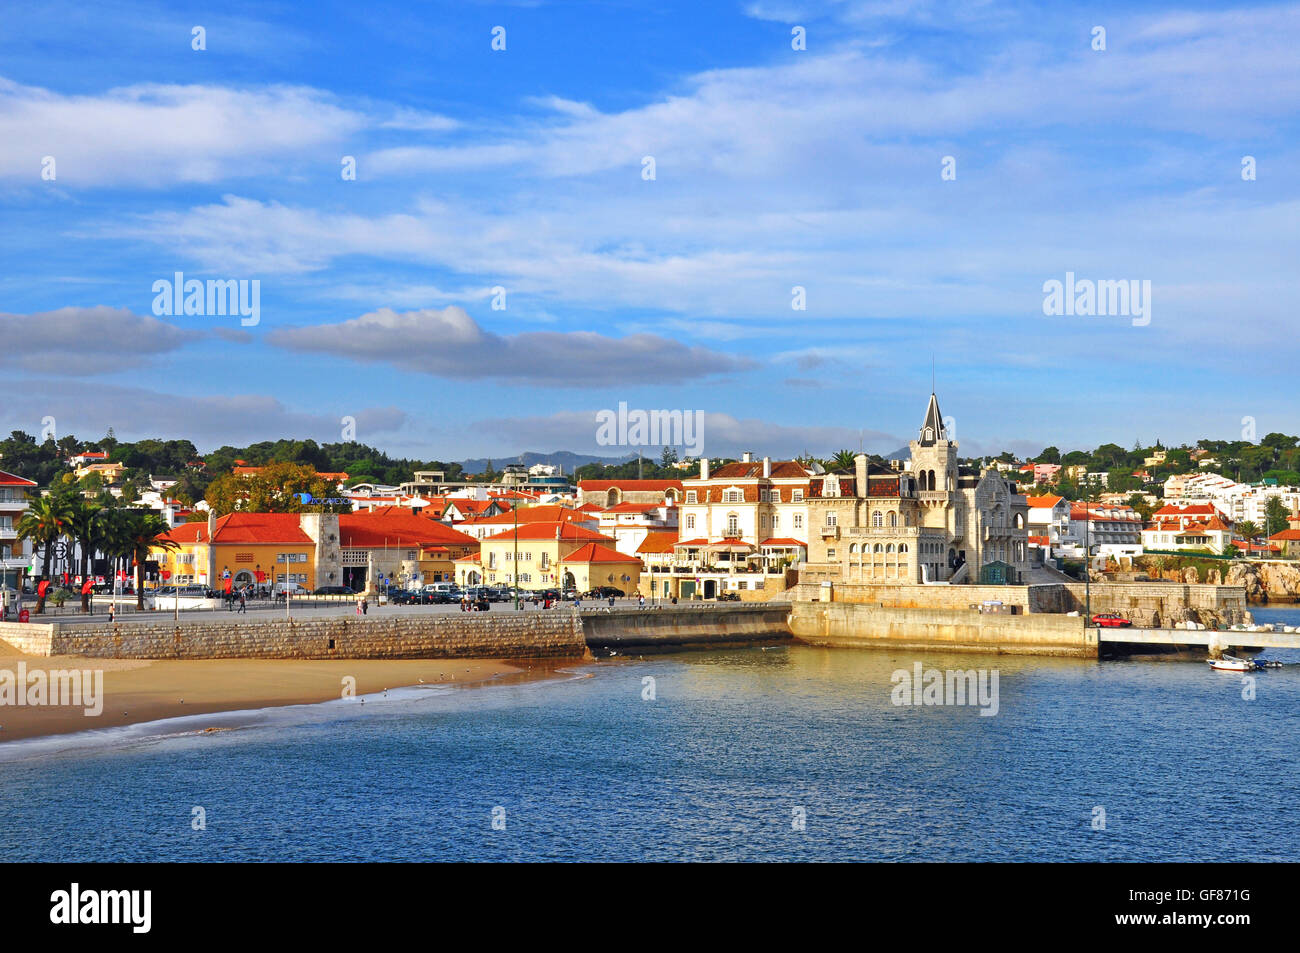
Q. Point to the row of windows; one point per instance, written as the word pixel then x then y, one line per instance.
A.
pixel 738 496
pixel 877 548
pixel 733 522
pixel 291 557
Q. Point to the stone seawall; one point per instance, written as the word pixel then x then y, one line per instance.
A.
pixel 526 635
pixel 670 628
pixel 848 625
pixel 30 638
pixel 1153 604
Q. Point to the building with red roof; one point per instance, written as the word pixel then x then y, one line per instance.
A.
pixel 15 553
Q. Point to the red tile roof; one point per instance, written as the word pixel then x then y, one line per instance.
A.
pixel 9 479
pixel 657 543
pixel 1191 509
pixel 551 513
pixel 1044 502
pixel 782 470
pixel 244 528
pixel 596 553
pixel 782 541
pixel 595 486
pixel 395 528
pixel 556 530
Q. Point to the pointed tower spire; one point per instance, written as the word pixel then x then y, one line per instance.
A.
pixel 932 429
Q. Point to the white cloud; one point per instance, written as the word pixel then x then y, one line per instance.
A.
pixel 451 344
pixel 82 341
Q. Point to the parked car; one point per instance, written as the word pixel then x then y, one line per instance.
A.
pixel 603 592
pixel 1110 620
pixel 333 591
pixel 728 597
pixel 412 597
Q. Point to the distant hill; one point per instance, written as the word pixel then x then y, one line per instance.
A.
pixel 561 458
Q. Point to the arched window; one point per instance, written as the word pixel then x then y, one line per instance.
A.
pixel 877 548
pixel 877 519
pixel 889 547
pixel 902 547
pixel 613 497
pixel 853 548
pixel 1020 521
pixel 893 518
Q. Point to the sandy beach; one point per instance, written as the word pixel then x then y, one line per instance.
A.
pixel 140 690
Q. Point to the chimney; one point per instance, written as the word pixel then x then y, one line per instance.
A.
pixel 212 524
pixel 767 467
pixel 704 468
pixel 747 457
pixel 860 475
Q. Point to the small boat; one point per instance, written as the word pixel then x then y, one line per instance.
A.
pixel 1230 663
pixel 1266 663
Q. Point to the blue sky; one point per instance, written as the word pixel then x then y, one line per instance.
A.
pixel 775 168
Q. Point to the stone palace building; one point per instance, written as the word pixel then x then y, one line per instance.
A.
pixel 923 521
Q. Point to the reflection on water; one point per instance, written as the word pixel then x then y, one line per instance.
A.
pixel 715 767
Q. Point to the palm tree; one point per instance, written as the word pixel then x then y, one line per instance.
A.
pixel 843 459
pixel 144 531
pixel 44 524
pixel 85 527
pixel 1247 530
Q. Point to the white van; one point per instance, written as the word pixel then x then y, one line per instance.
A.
pixel 446 587
pixel 293 588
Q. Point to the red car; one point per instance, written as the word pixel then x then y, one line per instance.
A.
pixel 1109 620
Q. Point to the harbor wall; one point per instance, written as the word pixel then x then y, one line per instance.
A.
pixel 849 625
pixel 522 635
pixel 562 633
pixel 717 625
pixel 1152 604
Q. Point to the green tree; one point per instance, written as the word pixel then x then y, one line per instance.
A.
pixel 1247 529
pixel 842 460
pixel 144 531
pixel 45 523
pixel 1276 515
pixel 85 527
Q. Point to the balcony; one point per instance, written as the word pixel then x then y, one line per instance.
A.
pixel 830 531
pixel 882 530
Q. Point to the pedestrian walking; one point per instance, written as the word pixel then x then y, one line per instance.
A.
pixel 242 603
pixel 112 612
pixel 365 606
pixel 640 602
pixel 359 605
